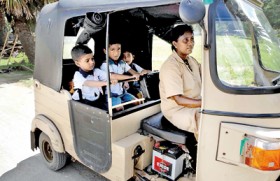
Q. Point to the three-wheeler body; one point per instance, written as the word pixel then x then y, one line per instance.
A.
pixel 239 132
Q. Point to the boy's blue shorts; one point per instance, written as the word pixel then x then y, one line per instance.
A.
pixel 118 99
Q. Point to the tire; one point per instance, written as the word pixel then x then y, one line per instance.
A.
pixel 53 159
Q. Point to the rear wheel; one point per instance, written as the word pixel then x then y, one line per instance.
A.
pixel 52 158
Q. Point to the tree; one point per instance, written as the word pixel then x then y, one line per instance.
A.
pixel 272 11
pixel 3 27
pixel 23 13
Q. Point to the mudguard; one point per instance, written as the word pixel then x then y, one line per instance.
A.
pixel 47 126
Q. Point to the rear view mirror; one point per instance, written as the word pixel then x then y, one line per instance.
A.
pixel 93 23
pixel 191 11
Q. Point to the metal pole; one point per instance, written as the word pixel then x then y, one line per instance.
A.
pixel 108 71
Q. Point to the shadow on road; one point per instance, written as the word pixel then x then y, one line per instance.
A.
pixel 15 76
pixel 34 169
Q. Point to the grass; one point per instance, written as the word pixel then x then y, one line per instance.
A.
pixel 21 70
pixel 270 55
pixel 20 60
pixel 236 64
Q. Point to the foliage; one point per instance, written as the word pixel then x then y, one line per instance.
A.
pixel 23 8
pixel 21 16
pixel 17 8
pixel 272 10
pixel 15 61
pixel 270 55
pixel 236 62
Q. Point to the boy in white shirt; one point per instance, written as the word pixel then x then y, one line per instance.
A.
pixel 134 87
pixel 117 68
pixel 88 80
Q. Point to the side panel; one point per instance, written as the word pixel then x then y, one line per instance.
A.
pixel 130 124
pixel 258 110
pixel 54 106
pixel 91 135
pixel 210 167
pixel 123 150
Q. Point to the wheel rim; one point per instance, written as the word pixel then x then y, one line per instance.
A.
pixel 47 151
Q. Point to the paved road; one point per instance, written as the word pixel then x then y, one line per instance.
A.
pixel 17 161
pixel 16 112
pixel 33 169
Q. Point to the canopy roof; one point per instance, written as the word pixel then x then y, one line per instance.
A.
pixel 114 4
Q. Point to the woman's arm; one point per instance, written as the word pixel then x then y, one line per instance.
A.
pixel 186 102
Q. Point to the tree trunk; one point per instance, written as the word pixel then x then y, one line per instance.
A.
pixel 3 27
pixel 26 38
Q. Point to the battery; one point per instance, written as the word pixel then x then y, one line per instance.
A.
pixel 168 160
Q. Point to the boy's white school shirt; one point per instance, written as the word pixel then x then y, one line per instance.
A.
pixel 89 93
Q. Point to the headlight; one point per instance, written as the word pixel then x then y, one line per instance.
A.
pixel 261 154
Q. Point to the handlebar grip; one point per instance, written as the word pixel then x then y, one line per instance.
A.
pixel 127 79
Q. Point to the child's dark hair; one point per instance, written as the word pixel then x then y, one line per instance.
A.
pixel 126 48
pixel 179 31
pixel 80 50
pixel 114 40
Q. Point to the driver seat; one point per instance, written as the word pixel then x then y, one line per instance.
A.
pixel 158 125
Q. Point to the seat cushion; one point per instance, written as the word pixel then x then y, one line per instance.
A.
pixel 158 125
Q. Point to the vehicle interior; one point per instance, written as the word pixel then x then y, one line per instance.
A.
pixel 138 29
pixel 145 31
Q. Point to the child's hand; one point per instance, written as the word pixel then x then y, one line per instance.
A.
pixel 145 72
pixel 114 81
pixel 136 76
pixel 125 85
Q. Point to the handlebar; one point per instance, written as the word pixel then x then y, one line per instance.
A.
pixel 127 79
pixel 140 78
pixel 129 102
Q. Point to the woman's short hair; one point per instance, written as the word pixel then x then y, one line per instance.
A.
pixel 178 31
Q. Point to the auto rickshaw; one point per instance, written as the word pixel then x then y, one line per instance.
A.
pixel 239 132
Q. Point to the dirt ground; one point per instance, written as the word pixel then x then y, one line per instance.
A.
pixel 16 76
pixel 16 113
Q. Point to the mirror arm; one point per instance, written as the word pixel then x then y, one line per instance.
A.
pixel 206 44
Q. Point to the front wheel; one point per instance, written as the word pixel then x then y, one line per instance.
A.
pixel 52 158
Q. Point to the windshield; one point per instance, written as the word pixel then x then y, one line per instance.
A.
pixel 247 47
